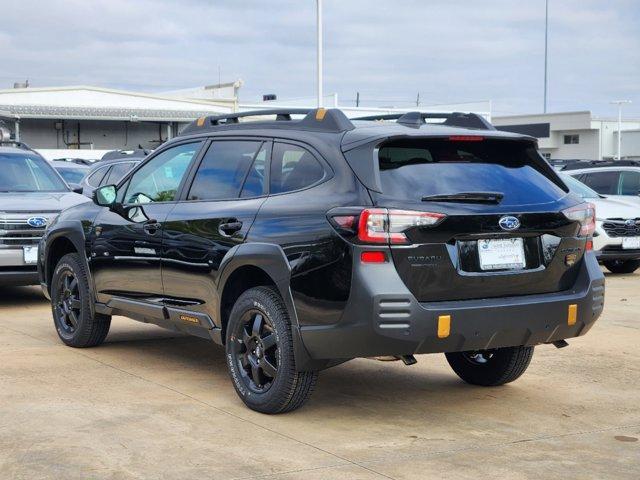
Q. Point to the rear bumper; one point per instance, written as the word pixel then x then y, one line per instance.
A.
pixel 383 318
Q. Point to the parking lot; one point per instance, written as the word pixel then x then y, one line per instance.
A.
pixel 150 404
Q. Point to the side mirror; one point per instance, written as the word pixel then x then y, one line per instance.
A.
pixel 105 196
pixel 76 188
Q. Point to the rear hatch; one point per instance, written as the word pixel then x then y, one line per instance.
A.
pixel 502 231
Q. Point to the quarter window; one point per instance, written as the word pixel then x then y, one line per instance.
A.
pixel 223 170
pixel 158 180
pixel 293 168
pixel 605 183
pixel 630 184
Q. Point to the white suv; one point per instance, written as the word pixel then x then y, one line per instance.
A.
pixel 615 179
pixel 616 240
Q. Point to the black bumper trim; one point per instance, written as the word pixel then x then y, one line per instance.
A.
pixel 18 278
pixel 383 318
pixel 604 255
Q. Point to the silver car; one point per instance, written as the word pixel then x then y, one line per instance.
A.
pixel 32 194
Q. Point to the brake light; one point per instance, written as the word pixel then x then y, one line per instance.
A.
pixel 466 138
pixel 585 214
pixel 379 225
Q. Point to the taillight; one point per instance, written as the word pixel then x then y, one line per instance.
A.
pixel 379 225
pixel 585 214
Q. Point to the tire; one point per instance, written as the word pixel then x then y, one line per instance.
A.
pixel 491 368
pixel 622 266
pixel 74 317
pixel 260 357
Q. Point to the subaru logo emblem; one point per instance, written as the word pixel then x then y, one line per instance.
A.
pixel 509 223
pixel 630 223
pixel 37 222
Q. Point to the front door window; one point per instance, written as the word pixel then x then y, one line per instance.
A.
pixel 158 180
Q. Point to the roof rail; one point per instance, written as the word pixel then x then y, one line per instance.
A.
pixel 16 144
pixel 136 153
pixel 322 120
pixel 451 119
pixel 577 165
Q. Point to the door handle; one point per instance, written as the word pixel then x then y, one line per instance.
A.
pixel 151 226
pixel 229 228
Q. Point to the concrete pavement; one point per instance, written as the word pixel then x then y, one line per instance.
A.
pixel 150 404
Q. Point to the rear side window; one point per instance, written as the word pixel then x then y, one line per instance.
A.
pixel 293 168
pixel 223 170
pixel 254 184
pixel 96 177
pixel 605 183
pixel 116 173
pixel 630 184
pixel 412 169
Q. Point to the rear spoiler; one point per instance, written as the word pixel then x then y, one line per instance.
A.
pixel 451 119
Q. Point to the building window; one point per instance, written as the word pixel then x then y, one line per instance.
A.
pixel 571 139
pixel 547 156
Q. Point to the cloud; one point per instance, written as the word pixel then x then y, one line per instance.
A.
pixel 449 51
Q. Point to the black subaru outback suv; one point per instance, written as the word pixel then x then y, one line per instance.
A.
pixel 301 243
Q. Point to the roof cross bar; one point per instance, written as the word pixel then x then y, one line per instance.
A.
pixel 451 119
pixel 329 120
pixel 282 114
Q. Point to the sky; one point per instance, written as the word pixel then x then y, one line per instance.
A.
pixel 389 51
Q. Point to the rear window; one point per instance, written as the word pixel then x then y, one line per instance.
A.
pixel 412 169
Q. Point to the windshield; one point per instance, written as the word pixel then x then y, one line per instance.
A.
pixel 25 172
pixel 415 169
pixel 579 188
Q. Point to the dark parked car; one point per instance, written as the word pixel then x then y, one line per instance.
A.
pixel 301 244
pixel 107 172
pixel 72 172
pixel 32 194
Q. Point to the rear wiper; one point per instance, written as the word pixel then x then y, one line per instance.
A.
pixel 466 197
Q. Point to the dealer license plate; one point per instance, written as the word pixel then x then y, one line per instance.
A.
pixel 502 254
pixel 30 255
pixel 631 243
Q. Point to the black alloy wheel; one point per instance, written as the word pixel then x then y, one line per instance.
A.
pixel 260 353
pixel 67 308
pixel 255 350
pixel 75 319
pixel 491 367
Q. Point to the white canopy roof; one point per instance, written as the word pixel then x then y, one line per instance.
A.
pixel 95 103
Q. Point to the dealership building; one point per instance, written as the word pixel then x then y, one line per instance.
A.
pixel 86 121
pixel 85 118
pixel 576 135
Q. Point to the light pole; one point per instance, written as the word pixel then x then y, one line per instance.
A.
pixel 546 35
pixel 319 42
pixel 620 103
